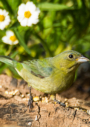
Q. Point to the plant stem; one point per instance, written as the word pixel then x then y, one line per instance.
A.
pixel 21 41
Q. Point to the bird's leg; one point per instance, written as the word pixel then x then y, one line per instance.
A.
pixel 53 97
pixel 30 101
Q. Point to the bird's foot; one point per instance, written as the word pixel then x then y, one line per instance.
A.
pixel 62 104
pixel 53 98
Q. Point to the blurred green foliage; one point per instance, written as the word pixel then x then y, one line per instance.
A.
pixel 63 25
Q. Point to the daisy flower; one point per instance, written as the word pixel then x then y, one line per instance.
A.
pixel 28 14
pixel 4 19
pixel 10 38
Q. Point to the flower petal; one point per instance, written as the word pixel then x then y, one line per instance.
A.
pixel 33 19
pixel 30 6
pixel 15 42
pixel 6 20
pixel 9 33
pixel 24 22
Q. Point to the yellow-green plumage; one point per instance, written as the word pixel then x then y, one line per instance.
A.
pixel 51 75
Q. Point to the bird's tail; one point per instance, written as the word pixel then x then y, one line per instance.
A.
pixel 7 60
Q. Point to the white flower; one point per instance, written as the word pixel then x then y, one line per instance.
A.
pixel 28 14
pixel 4 19
pixel 10 38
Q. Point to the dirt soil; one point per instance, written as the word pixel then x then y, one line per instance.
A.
pixel 14 95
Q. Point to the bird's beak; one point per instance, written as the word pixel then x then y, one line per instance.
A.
pixel 82 59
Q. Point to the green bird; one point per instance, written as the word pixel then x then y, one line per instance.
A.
pixel 50 75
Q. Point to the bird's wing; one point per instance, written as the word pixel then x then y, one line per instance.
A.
pixel 39 68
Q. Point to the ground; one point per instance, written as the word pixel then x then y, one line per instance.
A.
pixel 14 95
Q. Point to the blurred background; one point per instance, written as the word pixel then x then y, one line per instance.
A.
pixel 63 25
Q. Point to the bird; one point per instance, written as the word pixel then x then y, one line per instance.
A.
pixel 50 75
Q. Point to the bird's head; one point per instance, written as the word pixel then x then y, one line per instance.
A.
pixel 69 60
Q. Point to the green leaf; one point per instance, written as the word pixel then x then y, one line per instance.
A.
pixel 14 54
pixel 7 6
pixel 43 43
pixel 21 41
pixel 16 24
pixel 14 4
pixel 52 7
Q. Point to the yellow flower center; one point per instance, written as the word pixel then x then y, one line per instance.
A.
pixel 2 17
pixel 13 38
pixel 27 14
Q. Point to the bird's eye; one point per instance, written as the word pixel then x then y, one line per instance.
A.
pixel 70 56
